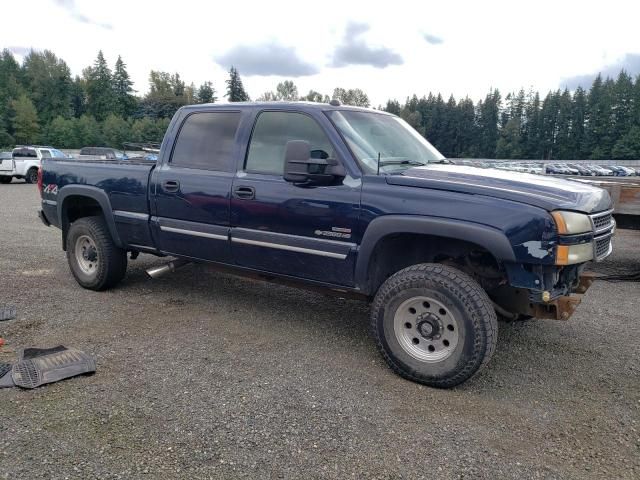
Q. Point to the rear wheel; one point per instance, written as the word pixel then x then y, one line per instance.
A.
pixel 32 175
pixel 5 179
pixel 434 324
pixel 95 261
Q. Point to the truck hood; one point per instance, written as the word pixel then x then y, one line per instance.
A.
pixel 538 190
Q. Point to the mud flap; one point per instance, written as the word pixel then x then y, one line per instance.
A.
pixel 40 366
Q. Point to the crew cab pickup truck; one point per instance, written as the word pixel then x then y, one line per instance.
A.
pixel 350 200
pixel 25 161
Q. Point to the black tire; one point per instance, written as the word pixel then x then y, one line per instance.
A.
pixel 110 261
pixel 32 175
pixel 5 179
pixel 461 298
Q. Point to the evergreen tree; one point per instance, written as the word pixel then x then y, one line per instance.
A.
pixel 101 99
pixel 488 120
pixel 393 106
pixel 235 89
pixel 577 138
pixel 78 97
pixel 206 93
pixel 125 101
pixel 25 120
pixel 628 147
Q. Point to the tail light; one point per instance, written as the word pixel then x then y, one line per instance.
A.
pixel 40 180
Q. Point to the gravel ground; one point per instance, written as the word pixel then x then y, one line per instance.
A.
pixel 204 375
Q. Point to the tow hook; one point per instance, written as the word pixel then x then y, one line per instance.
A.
pixel 559 309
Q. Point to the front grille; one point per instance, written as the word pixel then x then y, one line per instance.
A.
pixel 602 221
pixel 602 246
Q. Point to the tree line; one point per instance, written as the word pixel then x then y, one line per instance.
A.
pixel 41 102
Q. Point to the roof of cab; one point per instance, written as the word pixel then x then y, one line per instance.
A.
pixel 280 105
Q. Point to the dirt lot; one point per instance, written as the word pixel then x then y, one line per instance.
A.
pixel 204 375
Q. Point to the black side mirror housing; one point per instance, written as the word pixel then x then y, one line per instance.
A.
pixel 300 168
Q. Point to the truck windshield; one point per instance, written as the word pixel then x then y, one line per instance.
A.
pixel 374 137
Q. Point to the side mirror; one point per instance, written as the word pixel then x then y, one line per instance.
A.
pixel 300 168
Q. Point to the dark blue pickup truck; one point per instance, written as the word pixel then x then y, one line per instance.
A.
pixel 350 200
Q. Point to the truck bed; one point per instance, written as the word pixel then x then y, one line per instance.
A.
pixel 122 184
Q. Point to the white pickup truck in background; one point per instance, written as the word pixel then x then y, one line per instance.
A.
pixel 25 161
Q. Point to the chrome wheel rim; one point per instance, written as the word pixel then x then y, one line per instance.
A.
pixel 426 329
pixel 86 254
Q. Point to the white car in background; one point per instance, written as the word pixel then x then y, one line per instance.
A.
pixel 25 161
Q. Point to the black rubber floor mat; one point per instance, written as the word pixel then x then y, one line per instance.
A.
pixel 6 380
pixel 4 368
pixel 7 312
pixel 33 372
pixel 31 352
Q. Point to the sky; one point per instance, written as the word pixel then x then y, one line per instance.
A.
pixel 388 49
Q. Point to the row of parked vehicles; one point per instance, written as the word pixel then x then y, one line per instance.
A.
pixel 585 169
pixel 591 170
pixel 24 160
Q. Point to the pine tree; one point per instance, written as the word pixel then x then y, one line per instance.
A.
pixel 123 90
pixel 577 139
pixel 206 93
pixel 235 89
pixel 25 120
pixel 100 90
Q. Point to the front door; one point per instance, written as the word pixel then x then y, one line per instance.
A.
pixel 193 186
pixel 279 227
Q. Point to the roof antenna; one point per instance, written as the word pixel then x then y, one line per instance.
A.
pixel 378 170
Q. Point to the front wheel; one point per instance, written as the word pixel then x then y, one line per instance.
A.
pixel 5 179
pixel 434 325
pixel 32 176
pixel 94 259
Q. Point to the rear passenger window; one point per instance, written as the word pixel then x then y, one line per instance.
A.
pixel 206 141
pixel 45 153
pixel 270 136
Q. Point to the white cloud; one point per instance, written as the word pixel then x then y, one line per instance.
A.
pixel 488 44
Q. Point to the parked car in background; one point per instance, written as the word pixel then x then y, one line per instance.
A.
pixel 602 171
pixel 25 161
pixel 582 169
pixel 621 171
pixel 103 153
pixel 557 169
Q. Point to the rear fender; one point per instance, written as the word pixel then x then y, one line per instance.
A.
pixel 89 192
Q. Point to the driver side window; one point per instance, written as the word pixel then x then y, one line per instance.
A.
pixel 270 135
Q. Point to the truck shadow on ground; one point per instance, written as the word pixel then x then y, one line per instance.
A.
pixel 532 354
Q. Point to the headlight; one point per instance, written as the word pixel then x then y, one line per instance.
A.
pixel 572 254
pixel 570 223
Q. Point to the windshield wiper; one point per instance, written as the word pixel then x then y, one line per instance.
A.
pixel 400 162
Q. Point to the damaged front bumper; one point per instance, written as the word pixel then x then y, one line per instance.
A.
pixel 561 308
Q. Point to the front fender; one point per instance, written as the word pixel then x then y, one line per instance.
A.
pixel 492 239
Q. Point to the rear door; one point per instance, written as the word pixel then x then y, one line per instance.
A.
pixel 192 189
